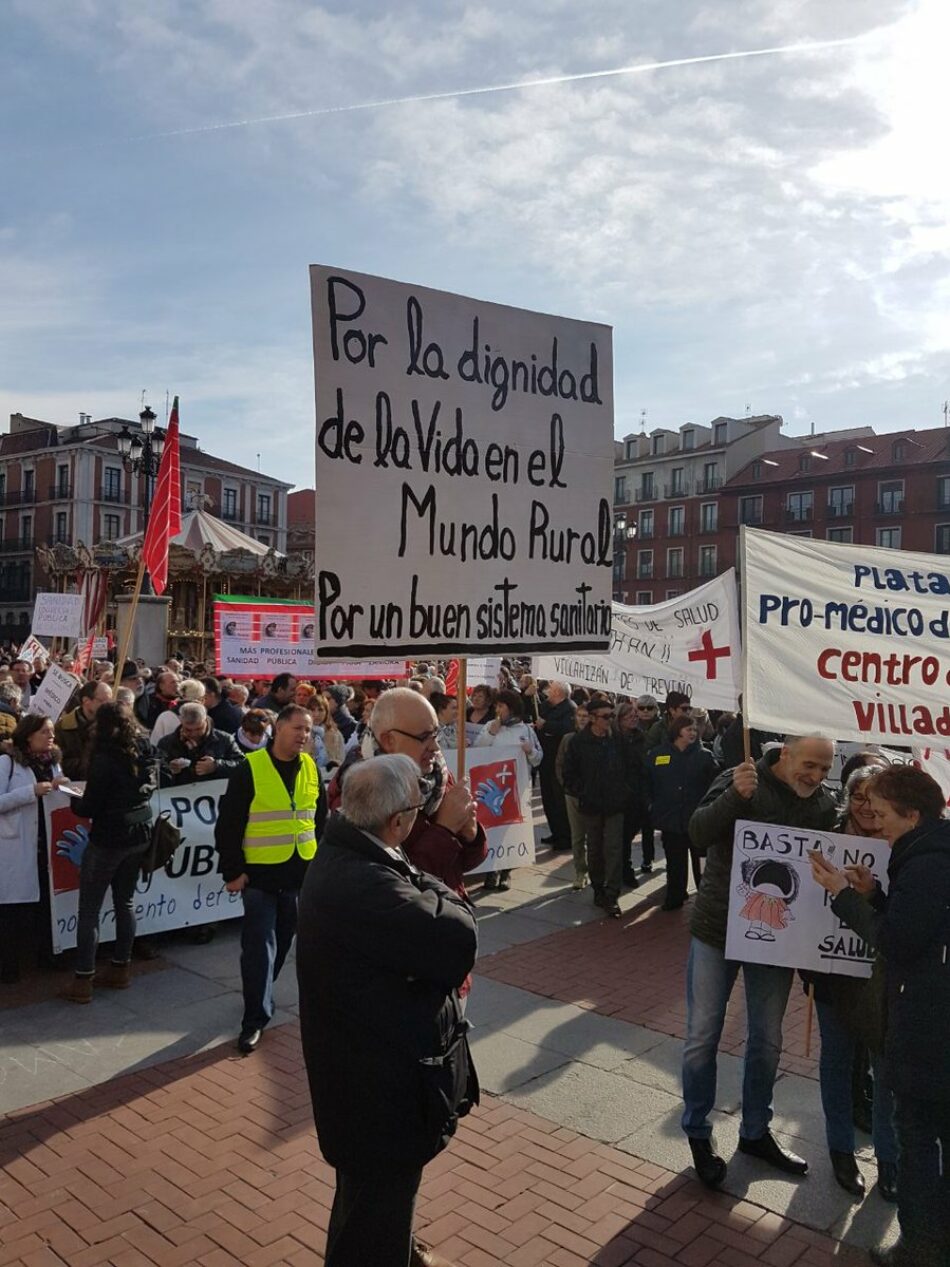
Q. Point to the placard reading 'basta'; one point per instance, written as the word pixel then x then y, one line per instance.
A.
pixel 464 458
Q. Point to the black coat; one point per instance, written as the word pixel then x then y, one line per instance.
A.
pixel 226 716
pixel 910 928
pixel 600 773
pixel 117 797
pixel 227 755
pixel 678 782
pixel 558 722
pixel 381 952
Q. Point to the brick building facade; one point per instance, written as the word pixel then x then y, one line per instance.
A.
pixel 68 484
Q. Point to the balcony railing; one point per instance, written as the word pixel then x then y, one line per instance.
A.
pixel 112 493
pixel 20 497
pixel 17 545
pixel 264 519
pixel 889 506
pixel 751 518
pixel 59 492
pixel 798 514
pixel 840 510
pixel 674 490
pixel 709 484
pixel 646 493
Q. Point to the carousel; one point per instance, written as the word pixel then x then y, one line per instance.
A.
pixel 207 557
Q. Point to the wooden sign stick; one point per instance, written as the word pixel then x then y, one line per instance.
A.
pixel 461 695
pixel 127 638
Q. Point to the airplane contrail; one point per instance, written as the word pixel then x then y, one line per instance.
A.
pixel 455 93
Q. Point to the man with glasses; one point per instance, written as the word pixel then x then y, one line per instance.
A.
pixel 383 951
pixel 599 773
pixel 447 839
pixel 647 715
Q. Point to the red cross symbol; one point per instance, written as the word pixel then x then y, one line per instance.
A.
pixel 709 653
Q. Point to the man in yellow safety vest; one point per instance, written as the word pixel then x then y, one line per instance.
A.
pixel 266 834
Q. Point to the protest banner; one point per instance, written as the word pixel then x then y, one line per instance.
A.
pixel 53 693
pixel 483 670
pixel 58 615
pixel 779 915
pixel 852 640
pixel 501 785
pixel 32 649
pixel 689 644
pixel 261 637
pixel 188 890
pixel 936 763
pixel 464 459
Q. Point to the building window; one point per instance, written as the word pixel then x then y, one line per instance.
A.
pixel 804 462
pixel 645 529
pixel 756 470
pixel 674 562
pixel 676 521
pixel 230 503
pixel 676 481
pixel 112 528
pixel 657 447
pixel 899 450
pixel 707 560
pixel 645 565
pixel 943 492
pixel 711 480
pixel 263 509
pixel 750 510
pixel 890 538
pixel 709 517
pixel 841 502
pixel 689 439
pixel 840 534
pixel 799 507
pixel 672 594
pixel 3 485
pixel 720 434
pixel 61 531
pixel 631 450
pixel 26 529
pixel 620 488
pixel 890 497
pixel 263 538
pixel 111 484
pixel 647 493
pixel 62 480
pixel 29 481
pixel 644 598
pixel 942 539
pixel 850 456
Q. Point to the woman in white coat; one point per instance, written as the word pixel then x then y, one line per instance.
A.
pixel 27 774
pixel 510 730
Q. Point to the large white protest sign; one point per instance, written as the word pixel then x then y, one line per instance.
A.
pixel 464 459
pixel 58 615
pixel 688 644
pixel 189 890
pixel 32 649
pixel 501 784
pixel 262 637
pixel 53 693
pixel 851 640
pixel 779 915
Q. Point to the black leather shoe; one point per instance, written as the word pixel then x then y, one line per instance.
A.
pixel 647 868
pixel 249 1040
pixel 630 880
pixel 710 1168
pixel 887 1181
pixel 847 1174
pixel 769 1149
pixel 547 840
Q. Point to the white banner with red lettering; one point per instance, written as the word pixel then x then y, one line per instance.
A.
pixel 849 640
pixel 688 644
pixel 501 784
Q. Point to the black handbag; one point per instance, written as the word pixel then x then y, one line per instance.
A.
pixel 166 838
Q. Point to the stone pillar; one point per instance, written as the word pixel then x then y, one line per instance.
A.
pixel 150 632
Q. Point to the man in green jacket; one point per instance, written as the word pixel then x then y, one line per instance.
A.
pixel 783 787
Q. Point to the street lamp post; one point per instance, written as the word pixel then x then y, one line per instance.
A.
pixel 623 534
pixel 141 456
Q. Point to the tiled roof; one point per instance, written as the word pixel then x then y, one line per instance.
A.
pixel 920 449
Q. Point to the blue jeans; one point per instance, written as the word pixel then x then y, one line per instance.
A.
pixel 835 1073
pixel 270 924
pixel 710 977
pixel 923 1176
pixel 99 870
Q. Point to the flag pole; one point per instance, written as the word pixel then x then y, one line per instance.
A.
pixel 461 693
pixel 127 636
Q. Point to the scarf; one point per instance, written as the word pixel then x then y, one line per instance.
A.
pixel 41 764
pixel 431 786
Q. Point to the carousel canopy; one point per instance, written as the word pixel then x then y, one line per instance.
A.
pixel 199 529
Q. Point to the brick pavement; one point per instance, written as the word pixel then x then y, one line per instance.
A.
pixel 634 969
pixel 212 1160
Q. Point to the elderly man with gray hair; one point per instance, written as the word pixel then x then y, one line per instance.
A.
pixel 382 951
pixel 785 786
pixel 556 721
pixel 195 751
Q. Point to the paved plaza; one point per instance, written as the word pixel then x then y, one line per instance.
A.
pixel 134 1134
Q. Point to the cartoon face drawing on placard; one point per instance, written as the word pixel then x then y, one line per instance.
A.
pixel 769 888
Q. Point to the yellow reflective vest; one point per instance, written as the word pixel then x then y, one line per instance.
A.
pixel 278 824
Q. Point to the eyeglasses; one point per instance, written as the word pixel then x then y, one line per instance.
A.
pixel 646 708
pixel 426 737
pixel 857 799
pixel 602 715
pixel 412 809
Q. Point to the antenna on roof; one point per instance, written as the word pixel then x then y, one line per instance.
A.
pixel 643 422
pixel 748 411
pixel 258 464
pixel 946 413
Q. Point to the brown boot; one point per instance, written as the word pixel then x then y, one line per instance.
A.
pixel 79 990
pixel 115 976
pixel 423 1256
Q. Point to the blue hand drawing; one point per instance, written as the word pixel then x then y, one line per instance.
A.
pixel 73 844
pixel 492 796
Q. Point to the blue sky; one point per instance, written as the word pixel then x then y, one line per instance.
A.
pixel 771 232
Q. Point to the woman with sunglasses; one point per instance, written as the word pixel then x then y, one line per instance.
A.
pixel 679 773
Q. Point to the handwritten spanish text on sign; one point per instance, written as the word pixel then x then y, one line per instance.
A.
pixel 853 638
pixel 58 615
pixel 472 445
pixel 779 915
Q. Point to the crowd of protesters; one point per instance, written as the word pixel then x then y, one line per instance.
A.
pixel 611 771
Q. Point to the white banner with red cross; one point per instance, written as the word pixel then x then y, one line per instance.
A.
pixel 689 644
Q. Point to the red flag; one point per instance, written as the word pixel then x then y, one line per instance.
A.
pixel 452 677
pixel 164 521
